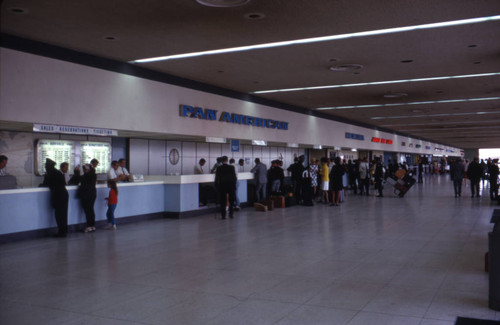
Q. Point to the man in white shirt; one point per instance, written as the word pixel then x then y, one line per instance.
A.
pixel 198 169
pixel 113 174
pixel 122 170
pixel 364 177
pixel 3 164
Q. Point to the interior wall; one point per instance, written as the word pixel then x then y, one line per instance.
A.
pixel 37 89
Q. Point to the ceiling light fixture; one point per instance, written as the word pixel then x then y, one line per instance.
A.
pixel 376 83
pixel 222 3
pixel 430 115
pixel 322 38
pixel 412 103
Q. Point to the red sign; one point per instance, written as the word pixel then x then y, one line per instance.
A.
pixel 380 140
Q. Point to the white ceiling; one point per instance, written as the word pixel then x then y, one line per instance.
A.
pixel 151 28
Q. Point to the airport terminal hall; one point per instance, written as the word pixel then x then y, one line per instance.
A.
pixel 227 162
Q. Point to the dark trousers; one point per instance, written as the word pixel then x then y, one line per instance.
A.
pixel 494 188
pixel 457 185
pixel 60 204
pixel 297 190
pixel 88 207
pixel 352 184
pixel 364 186
pixel 224 192
pixel 474 186
pixel 379 186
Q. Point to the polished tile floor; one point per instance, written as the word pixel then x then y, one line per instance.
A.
pixel 413 260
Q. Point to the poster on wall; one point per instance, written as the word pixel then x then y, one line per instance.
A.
pixel 57 150
pixel 98 150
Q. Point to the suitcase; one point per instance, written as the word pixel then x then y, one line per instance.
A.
pixel 279 201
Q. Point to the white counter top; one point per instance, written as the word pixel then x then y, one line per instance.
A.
pixel 149 180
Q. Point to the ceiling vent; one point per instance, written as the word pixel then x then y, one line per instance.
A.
pixel 346 67
pixel 222 3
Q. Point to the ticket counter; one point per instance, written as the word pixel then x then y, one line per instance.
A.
pixel 28 213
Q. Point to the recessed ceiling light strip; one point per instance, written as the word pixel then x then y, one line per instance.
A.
pixel 323 39
pixel 430 115
pixel 378 83
pixel 411 103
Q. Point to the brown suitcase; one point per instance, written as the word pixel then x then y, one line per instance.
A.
pixel 279 201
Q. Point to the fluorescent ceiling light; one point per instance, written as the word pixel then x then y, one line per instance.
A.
pixel 411 103
pixel 430 115
pixel 438 123
pixel 378 83
pixel 259 143
pixel 318 146
pixel 292 145
pixel 323 38
pixel 215 140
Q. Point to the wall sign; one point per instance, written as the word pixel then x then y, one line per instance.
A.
pixel 235 145
pixel 381 140
pixel 354 136
pixel 211 115
pixel 47 128
pixel 174 156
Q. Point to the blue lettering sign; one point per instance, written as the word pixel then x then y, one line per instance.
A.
pixel 198 113
pixel 226 117
pixel 186 110
pixel 211 114
pixel 237 118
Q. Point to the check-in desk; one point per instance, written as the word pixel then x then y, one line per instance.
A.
pixel 26 212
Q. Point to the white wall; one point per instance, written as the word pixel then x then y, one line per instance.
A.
pixel 36 89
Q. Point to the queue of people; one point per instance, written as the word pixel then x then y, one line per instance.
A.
pixel 86 179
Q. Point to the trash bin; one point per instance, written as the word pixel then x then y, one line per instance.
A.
pixel 494 261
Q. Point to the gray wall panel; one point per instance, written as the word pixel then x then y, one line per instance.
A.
pixel 157 157
pixel 139 156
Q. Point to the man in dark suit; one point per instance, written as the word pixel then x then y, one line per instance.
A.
pixel 225 182
pixel 55 181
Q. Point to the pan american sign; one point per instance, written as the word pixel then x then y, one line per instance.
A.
pixel 212 115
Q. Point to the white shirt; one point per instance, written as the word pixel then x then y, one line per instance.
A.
pixel 3 172
pixel 198 169
pixel 121 171
pixel 363 170
pixel 112 173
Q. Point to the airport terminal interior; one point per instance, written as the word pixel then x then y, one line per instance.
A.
pixel 157 87
pixel 412 260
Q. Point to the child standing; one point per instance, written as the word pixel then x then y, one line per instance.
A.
pixel 112 202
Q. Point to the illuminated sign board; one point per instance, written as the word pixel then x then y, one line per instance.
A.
pixel 381 140
pixel 233 118
pixel 57 150
pixel 354 136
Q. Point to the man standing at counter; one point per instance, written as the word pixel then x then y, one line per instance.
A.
pixel 3 164
pixel 112 172
pixel 225 181
pixel 122 170
pixel 260 171
pixel 55 181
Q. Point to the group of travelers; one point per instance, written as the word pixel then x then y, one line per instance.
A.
pixel 475 171
pixel 321 181
pixel 86 179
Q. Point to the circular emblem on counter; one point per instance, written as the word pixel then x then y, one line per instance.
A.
pixel 173 156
